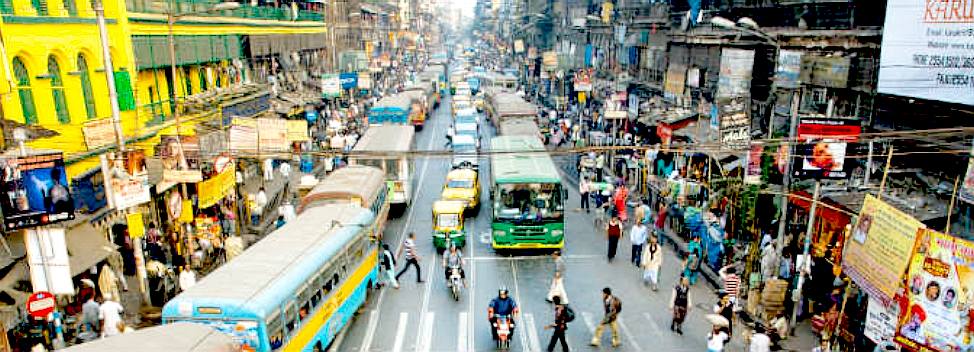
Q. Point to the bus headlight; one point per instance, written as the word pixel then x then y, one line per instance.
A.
pixel 557 232
pixel 499 233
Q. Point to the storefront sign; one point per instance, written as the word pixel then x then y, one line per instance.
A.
pixel 99 133
pixel 297 131
pixel 926 50
pixel 364 80
pixel 831 71
pixel 736 66
pixel 789 69
pixel 349 80
pixel 735 125
pixel 331 86
pixel 35 191
pixel 245 108
pixel 136 225
pixel 41 304
pixel 272 134
pixel 880 320
pixel 752 165
pixel 824 145
pixel 128 179
pixel 48 261
pixel 180 159
pixel 216 188
pixel 675 81
pixel 879 251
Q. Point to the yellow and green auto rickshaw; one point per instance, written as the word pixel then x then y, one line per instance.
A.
pixel 448 223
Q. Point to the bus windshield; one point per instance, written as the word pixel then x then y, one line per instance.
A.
pixel 530 202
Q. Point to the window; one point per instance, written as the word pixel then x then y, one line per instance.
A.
pixel 70 6
pixel 24 91
pixel 40 6
pixel 86 90
pixel 57 90
pixel 275 331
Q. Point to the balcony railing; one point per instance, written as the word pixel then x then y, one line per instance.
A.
pixel 199 7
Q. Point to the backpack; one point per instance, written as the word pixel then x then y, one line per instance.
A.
pixel 569 314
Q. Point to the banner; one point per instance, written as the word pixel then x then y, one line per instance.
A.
pixel 735 125
pixel 128 179
pixel 35 191
pixel 98 133
pixel 786 74
pixel 825 142
pixel 966 191
pixel 940 288
pixel 331 85
pixel 216 188
pixel 736 66
pixel 880 320
pixel 926 50
pixel 297 131
pixel 880 248
pixel 752 165
pixel 180 159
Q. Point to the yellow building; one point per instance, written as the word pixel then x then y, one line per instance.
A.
pixel 54 72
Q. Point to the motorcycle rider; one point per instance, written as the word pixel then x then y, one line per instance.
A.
pixel 503 304
pixel 454 259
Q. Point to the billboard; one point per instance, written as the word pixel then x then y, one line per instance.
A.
pixel 822 153
pixel 735 125
pixel 35 191
pixel 926 50
pixel 736 66
pixel 788 70
pixel 128 179
pixel 180 159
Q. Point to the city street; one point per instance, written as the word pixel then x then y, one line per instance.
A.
pixel 424 317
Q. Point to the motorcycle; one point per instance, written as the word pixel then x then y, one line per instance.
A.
pixel 456 282
pixel 503 324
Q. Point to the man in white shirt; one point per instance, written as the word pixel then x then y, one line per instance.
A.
pixel 760 342
pixel 286 170
pixel 268 169
pixel 110 313
pixel 187 279
pixel 638 235
pixel 261 202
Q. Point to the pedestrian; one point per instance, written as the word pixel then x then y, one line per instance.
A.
pixel 732 282
pixel 108 282
pixel 557 282
pixel 599 167
pixel 187 278
pixel 612 307
pixel 716 339
pixel 613 231
pixel 583 189
pixel 412 258
pixel 725 308
pixel 268 169
pixel 285 169
pixel 89 314
pixel 680 303
pixel 641 213
pixel 152 235
pixel 619 200
pixel 760 341
pixel 110 314
pixel 660 222
pixel 652 261
pixel 691 265
pixel 560 325
pixel 637 236
pixel 389 266
pixel 261 202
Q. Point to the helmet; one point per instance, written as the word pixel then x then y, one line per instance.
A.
pixel 502 291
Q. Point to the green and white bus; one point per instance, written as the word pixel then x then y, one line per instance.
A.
pixel 527 195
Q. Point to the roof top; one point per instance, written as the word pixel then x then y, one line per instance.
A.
pixel 358 181
pixel 386 138
pixel 170 338
pixel 461 174
pixel 521 159
pixel 448 206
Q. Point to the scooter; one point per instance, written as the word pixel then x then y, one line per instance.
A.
pixel 503 324
pixel 456 283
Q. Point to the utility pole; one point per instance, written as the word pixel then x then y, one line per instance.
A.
pixel 786 178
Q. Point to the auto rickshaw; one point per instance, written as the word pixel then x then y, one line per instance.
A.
pixel 448 224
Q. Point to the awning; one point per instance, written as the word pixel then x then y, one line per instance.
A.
pixel 86 247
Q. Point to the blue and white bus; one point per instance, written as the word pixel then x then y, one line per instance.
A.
pixel 295 289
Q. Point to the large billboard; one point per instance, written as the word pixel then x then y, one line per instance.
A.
pixel 825 142
pixel 35 191
pixel 926 50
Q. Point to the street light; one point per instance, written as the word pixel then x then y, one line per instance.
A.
pixel 746 25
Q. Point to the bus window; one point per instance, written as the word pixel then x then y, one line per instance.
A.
pixel 275 331
pixel 291 316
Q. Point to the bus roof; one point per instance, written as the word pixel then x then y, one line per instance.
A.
pixel 386 138
pixel 519 127
pixel 178 337
pixel 259 280
pixel 363 182
pixel 515 165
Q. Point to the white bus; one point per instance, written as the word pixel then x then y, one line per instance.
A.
pixel 385 147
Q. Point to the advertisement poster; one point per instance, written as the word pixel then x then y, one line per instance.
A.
pixel 752 165
pixel 582 81
pixel 926 50
pixel 98 133
pixel 675 81
pixel 880 248
pixel 331 85
pixel 128 179
pixel 940 287
pixel 665 134
pixel 735 124
pixel 788 70
pixel 880 320
pixel 180 159
pixel 736 66
pixel 966 192
pixel 35 191
pixel 825 142
pixel 216 188
pixel 297 131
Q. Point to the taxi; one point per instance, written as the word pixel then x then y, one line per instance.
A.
pixel 462 185
pixel 448 224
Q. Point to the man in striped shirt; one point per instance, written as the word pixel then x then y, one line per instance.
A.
pixel 412 258
pixel 732 282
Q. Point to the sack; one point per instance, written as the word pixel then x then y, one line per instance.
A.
pixel 569 314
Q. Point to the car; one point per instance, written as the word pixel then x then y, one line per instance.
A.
pixel 462 185
pixel 468 129
pixel 465 152
pixel 467 115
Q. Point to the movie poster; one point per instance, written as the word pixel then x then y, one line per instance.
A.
pixel 35 191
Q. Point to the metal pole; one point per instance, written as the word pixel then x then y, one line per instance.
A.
pixel 334 49
pixel 806 264
pixel 786 179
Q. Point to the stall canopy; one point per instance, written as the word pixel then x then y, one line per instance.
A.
pixel 87 246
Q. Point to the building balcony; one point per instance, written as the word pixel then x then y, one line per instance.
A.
pixel 200 7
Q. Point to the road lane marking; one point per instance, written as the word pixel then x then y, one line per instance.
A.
pixel 462 333
pixel 536 257
pixel 517 297
pixel 625 331
pixel 373 323
pixel 400 332
pixel 426 332
pixel 587 317
pixel 423 311
pixel 653 326
pixel 532 331
pixel 370 333
pixel 470 302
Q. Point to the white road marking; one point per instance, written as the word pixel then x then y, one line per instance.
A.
pixel 400 332
pixel 629 337
pixel 653 326
pixel 532 331
pixel 373 323
pixel 425 316
pixel 589 322
pixel 462 333
pixel 370 333
pixel 426 332
pixel 517 297
pixel 470 302
pixel 536 257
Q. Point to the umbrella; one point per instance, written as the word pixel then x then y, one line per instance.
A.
pixel 717 320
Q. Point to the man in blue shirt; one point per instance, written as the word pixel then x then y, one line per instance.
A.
pixel 501 305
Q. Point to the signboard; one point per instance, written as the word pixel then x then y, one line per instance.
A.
pixel 926 51
pixel 216 188
pixel 35 191
pixel 98 133
pixel 349 80
pixel 41 304
pixel 48 260
pixel 967 189
pixel 364 80
pixel 582 81
pixel 736 66
pixel 518 46
pixel 752 165
pixel 272 134
pixel 549 59
pixel 297 131
pixel 128 179
pixel 136 225
pixel 880 320
pixel 675 81
pixel 831 71
pixel 825 142
pixel 880 248
pixel 735 125
pixel 331 85
pixel 180 159
pixel 245 108
pixel 788 70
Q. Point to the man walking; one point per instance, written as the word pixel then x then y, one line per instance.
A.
pixel 560 325
pixel 612 307
pixel 660 222
pixel 412 258
pixel 583 189
pixel 637 235
pixel 389 266
pixel 680 303
pixel 557 288
pixel 613 231
pixel 652 261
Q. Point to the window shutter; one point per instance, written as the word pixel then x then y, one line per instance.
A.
pixel 123 85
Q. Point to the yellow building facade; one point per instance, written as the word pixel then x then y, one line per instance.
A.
pixel 55 77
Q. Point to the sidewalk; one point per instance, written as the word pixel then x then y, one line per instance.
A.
pixel 275 189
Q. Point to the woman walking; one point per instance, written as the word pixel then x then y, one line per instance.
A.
pixel 652 260
pixel 680 303
pixel 613 231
